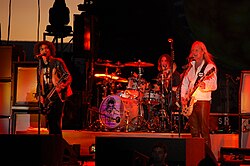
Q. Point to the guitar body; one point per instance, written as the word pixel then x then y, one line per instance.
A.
pixel 49 98
pixel 188 109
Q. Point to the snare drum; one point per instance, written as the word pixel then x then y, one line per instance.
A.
pixel 115 111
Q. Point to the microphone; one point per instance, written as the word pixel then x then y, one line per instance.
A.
pixel 190 59
pixel 39 55
pixel 170 40
pixel 184 67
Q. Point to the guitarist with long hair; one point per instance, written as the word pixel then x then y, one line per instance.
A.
pixel 198 83
pixel 53 85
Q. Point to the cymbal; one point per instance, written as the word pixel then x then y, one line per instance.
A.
pixel 123 80
pixel 116 65
pixel 103 60
pixel 139 64
pixel 113 77
pixel 106 64
pixel 119 64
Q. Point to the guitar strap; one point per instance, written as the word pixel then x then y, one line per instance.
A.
pixel 201 73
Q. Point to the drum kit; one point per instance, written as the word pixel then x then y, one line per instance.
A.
pixel 137 107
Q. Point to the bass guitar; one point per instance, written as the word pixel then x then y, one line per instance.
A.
pixel 188 108
pixel 48 101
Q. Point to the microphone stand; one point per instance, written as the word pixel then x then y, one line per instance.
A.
pixel 171 84
pixel 39 93
pixel 178 91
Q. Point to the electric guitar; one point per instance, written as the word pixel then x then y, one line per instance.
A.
pixel 188 109
pixel 48 101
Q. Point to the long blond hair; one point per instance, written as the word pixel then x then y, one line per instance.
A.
pixel 207 56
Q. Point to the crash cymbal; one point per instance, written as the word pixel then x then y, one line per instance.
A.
pixel 106 64
pixel 139 64
pixel 103 76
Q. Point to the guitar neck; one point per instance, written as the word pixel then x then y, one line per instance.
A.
pixel 52 91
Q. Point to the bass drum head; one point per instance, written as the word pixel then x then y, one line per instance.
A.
pixel 111 111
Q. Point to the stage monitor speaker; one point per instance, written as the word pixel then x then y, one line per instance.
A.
pixel 244 93
pixel 245 131
pixel 5 98
pixel 40 150
pixel 4 125
pixel 245 138
pixel 244 109
pixel 124 151
pixel 6 61
pixel 25 82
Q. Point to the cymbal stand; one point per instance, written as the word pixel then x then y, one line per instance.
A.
pixel 140 122
pixel 139 90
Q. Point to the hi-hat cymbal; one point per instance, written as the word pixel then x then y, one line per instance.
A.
pixel 139 64
pixel 122 80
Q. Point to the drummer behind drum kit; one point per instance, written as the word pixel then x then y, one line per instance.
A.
pixel 133 108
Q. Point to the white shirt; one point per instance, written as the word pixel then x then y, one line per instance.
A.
pixel 189 81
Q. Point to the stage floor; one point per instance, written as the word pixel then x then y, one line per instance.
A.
pixel 86 138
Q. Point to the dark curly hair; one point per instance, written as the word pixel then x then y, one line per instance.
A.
pixel 50 46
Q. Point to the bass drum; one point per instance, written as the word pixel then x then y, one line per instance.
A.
pixel 116 111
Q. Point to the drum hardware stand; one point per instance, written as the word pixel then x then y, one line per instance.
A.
pixel 153 121
pixel 126 125
pixel 164 117
pixel 97 125
pixel 139 122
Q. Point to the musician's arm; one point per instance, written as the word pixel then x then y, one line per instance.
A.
pixel 64 70
pixel 209 84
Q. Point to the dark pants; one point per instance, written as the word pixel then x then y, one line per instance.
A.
pixel 199 121
pixel 54 117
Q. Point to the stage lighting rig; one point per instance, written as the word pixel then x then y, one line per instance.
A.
pixel 59 18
